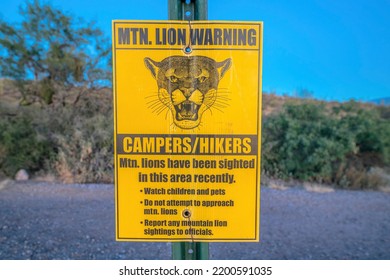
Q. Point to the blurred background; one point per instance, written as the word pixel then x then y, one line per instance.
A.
pixel 325 88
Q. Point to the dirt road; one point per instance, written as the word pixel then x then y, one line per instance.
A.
pixel 56 221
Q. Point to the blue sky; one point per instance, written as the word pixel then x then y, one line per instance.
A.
pixel 338 49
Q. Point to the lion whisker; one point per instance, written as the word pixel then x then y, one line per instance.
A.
pixel 216 108
pixel 219 102
pixel 160 111
pixel 227 102
pixel 219 108
pixel 223 97
pixel 154 102
pixel 223 101
pixel 152 95
pixel 221 105
pixel 158 108
pixel 156 105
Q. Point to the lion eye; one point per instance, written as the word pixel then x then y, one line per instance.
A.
pixel 172 79
pixel 201 79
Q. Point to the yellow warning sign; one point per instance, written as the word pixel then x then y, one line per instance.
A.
pixel 187 110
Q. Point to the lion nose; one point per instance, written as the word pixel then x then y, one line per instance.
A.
pixel 187 91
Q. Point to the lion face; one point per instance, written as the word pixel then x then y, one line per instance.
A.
pixel 187 85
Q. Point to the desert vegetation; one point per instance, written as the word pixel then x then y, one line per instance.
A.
pixel 343 144
pixel 56 118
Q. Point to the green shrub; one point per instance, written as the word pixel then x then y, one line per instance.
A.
pixel 372 136
pixel 85 150
pixel 303 143
pixel 73 141
pixel 307 142
pixel 21 146
pixel 83 137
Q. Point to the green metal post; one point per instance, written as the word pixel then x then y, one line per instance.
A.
pixel 188 10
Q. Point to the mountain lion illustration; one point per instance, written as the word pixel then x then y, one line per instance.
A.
pixel 188 86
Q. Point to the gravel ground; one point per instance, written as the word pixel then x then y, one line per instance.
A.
pixel 56 221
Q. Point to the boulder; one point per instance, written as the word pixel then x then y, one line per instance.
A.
pixel 21 175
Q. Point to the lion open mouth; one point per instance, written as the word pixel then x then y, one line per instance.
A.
pixel 187 110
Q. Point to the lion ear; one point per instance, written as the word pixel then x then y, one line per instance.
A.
pixel 152 65
pixel 223 66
